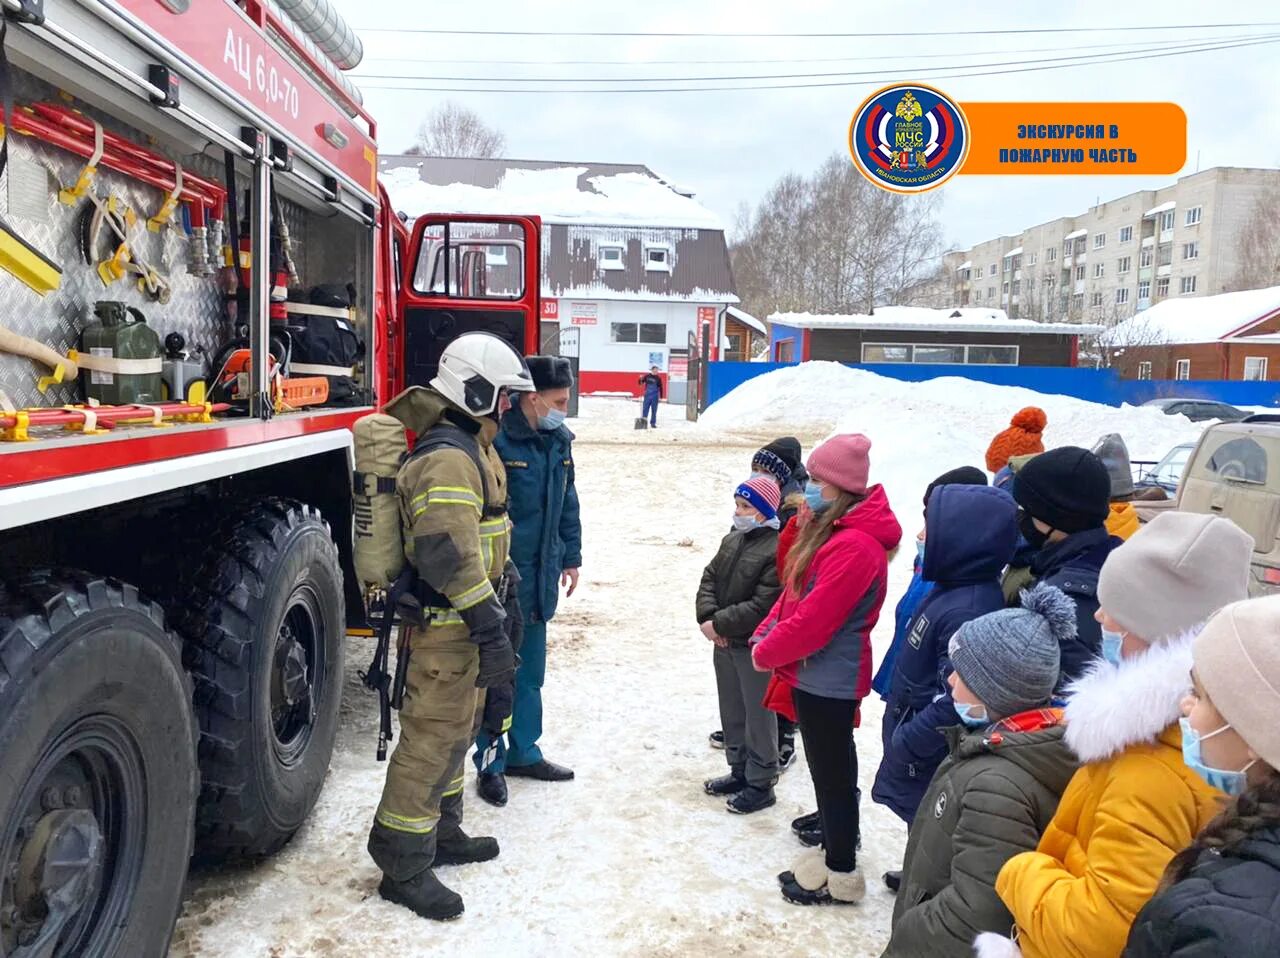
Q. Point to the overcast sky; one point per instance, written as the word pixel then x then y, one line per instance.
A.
pixel 731 146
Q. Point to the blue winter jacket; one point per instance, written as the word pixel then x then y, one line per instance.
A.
pixel 970 534
pixel 902 616
pixel 543 506
pixel 1073 566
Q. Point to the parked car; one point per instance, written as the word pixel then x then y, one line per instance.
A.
pixel 1198 410
pixel 1235 472
pixel 1155 484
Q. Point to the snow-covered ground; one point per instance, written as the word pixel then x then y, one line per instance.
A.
pixel 632 858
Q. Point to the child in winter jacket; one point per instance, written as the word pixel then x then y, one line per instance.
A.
pixel 817 639
pixel 738 589
pixel 1065 496
pixel 1134 803
pixel 997 790
pixel 1221 895
pixel 1123 521
pixel 970 536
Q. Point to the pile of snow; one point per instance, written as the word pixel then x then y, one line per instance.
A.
pixel 920 430
pixel 553 194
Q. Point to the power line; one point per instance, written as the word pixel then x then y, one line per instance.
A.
pixel 1037 66
pixel 1146 28
pixel 1154 45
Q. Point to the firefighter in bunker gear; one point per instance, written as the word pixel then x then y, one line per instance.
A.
pixel 457 536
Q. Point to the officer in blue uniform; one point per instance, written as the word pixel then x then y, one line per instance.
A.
pixel 546 546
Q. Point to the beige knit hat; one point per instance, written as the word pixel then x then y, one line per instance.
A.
pixel 1174 573
pixel 1237 659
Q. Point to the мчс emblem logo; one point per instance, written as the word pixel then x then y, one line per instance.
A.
pixel 908 138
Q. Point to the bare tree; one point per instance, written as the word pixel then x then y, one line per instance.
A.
pixel 1124 342
pixel 453 130
pixel 1258 249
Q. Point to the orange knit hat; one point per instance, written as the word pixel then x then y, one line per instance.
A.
pixel 1020 439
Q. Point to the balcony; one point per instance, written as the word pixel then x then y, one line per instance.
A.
pixel 1143 304
pixel 1079 287
pixel 1164 270
pixel 1166 236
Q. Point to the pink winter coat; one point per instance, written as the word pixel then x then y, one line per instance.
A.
pixel 820 640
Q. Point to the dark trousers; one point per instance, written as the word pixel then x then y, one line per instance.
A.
pixel 750 729
pixel 650 408
pixel 825 726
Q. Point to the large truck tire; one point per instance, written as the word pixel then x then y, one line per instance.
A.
pixel 98 784
pixel 264 622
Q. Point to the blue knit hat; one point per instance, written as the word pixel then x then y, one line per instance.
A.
pixel 762 494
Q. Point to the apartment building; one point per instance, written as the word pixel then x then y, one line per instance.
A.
pixel 1120 257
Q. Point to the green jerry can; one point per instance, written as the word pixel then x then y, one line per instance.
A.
pixel 120 355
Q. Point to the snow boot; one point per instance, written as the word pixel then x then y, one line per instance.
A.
pixel 786 744
pixel 806 823
pixel 893 881
pixel 716 739
pixel 839 888
pixel 407 878
pixel 730 784
pixel 812 864
pixel 753 798
pixel 810 837
pixel 460 848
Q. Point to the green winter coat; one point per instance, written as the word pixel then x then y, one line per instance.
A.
pixel 992 798
pixel 740 585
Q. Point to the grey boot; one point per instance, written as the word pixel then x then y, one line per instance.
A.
pixel 456 847
pixel 407 879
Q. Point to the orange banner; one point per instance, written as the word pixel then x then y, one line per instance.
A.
pixel 1058 139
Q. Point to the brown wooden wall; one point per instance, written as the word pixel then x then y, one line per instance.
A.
pixel 1208 360
pixel 845 345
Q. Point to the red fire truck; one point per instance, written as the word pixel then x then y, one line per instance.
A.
pixel 176 580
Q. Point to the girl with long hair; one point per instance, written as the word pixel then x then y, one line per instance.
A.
pixel 817 640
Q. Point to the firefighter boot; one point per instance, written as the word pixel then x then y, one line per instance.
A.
pixel 407 878
pixel 456 847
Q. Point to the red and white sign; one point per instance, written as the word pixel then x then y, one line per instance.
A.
pixel 551 309
pixel 678 367
pixel 706 314
pixel 584 314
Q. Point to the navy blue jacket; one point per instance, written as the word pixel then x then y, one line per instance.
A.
pixel 970 534
pixel 543 505
pixel 902 616
pixel 1073 566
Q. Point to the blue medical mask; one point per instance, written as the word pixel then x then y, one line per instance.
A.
pixel 1224 780
pixel 1111 642
pixel 968 714
pixel 813 496
pixel 552 420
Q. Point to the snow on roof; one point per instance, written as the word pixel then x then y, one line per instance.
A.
pixel 967 264
pixel 746 318
pixel 1199 319
pixel 1013 252
pixel 1157 210
pixel 626 198
pixel 960 320
pixel 1077 234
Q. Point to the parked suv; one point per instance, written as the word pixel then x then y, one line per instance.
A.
pixel 1235 472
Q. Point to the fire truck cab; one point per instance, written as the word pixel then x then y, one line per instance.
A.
pixel 176 580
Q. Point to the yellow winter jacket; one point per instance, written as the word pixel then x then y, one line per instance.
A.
pixel 1126 813
pixel 1123 521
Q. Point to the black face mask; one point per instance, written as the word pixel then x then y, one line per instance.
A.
pixel 1027 526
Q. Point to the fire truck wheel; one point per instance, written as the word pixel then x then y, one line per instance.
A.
pixel 99 788
pixel 265 627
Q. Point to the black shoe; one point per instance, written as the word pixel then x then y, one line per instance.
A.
pixel 840 889
pixel 424 895
pixel 810 837
pixel 542 770
pixel 786 757
pixel 725 785
pixel 752 799
pixel 461 849
pixel 492 787
pixel 786 877
pixel 806 823
pixel 716 739
pixel 893 881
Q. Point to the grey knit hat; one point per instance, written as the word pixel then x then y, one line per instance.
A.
pixel 1115 456
pixel 1010 658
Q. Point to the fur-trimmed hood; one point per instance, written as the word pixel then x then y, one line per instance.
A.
pixel 1111 708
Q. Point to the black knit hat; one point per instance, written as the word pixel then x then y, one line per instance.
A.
pixel 964 476
pixel 550 372
pixel 1067 488
pixel 788 450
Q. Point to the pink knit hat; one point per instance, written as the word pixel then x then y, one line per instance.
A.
pixel 843 462
pixel 761 493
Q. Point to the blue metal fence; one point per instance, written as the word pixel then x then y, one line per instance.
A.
pixel 1095 385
